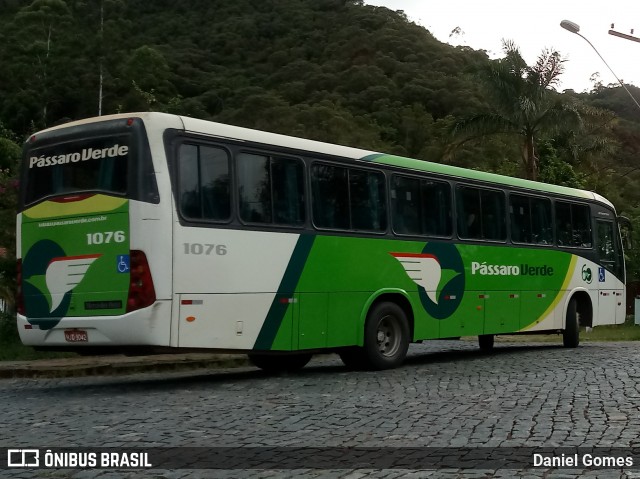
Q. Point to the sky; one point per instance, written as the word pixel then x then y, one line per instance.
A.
pixel 484 24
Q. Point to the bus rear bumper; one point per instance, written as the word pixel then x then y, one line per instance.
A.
pixel 146 327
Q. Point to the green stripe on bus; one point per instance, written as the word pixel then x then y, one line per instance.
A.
pixel 286 289
pixel 454 171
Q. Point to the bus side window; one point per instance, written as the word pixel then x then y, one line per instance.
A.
pixel 606 250
pixel 493 215
pixel 271 190
pixel 436 207
pixel 254 186
pixel 405 205
pixel 216 190
pixel 330 195
pixel 287 176
pixel 204 191
pixel 581 221
pixel 564 230
pixel 189 186
pixel 530 220
pixel 573 225
pixel 541 222
pixel 468 209
pixel 368 202
pixel 520 213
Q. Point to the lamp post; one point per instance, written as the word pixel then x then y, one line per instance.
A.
pixel 575 28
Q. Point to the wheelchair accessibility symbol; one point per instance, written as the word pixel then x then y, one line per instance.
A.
pixel 601 275
pixel 123 263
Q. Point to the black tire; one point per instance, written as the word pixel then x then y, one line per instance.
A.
pixel 485 341
pixel 386 337
pixel 280 363
pixel 571 332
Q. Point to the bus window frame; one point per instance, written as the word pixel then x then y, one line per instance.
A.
pixel 451 184
pixel 557 200
pixel 551 201
pixel 505 213
pixel 349 166
pixel 177 143
pixel 270 155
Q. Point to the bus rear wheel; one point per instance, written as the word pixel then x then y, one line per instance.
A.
pixel 386 336
pixel 571 332
pixel 280 363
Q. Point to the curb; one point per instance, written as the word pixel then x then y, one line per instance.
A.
pixel 117 365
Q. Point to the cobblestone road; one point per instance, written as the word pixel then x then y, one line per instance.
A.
pixel 448 394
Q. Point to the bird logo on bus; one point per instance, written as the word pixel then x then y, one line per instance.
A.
pixel 438 272
pixel 64 274
pixel 48 278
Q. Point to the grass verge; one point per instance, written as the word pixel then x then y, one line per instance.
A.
pixel 628 331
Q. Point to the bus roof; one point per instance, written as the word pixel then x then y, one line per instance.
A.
pixel 245 134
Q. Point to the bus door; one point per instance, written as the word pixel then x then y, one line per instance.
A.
pixel 610 275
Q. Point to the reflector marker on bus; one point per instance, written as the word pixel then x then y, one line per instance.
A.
pixel 194 302
pixel 514 296
pixel 542 295
pixel 288 300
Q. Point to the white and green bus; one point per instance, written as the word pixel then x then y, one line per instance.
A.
pixel 155 232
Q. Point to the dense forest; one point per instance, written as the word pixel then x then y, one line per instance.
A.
pixel 332 70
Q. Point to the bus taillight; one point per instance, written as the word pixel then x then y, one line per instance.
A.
pixel 141 290
pixel 19 294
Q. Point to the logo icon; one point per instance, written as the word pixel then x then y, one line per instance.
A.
pixel 23 458
pixel 48 278
pixel 586 274
pixel 424 270
pixel 64 274
pixel 439 273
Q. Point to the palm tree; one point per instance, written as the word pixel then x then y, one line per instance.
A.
pixel 523 103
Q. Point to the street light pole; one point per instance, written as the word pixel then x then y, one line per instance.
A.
pixel 623 35
pixel 575 28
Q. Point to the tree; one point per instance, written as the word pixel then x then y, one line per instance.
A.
pixel 41 25
pixel 523 103
pixel 9 159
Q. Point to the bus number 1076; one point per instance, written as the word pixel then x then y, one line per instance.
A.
pixel 205 249
pixel 106 237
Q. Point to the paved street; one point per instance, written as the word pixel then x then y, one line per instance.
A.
pixel 447 395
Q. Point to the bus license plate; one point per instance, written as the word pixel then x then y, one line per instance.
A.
pixel 76 336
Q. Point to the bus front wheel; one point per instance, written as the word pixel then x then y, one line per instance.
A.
pixel 386 336
pixel 571 332
pixel 280 363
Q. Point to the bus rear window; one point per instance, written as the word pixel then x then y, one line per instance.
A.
pixel 96 164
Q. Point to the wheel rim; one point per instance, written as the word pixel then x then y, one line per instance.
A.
pixel 388 336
